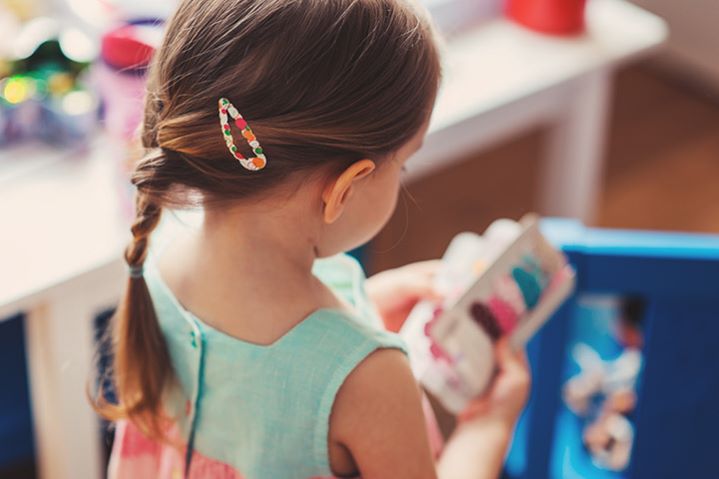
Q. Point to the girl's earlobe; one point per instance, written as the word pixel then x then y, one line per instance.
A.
pixel 336 193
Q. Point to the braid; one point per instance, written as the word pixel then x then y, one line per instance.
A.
pixel 147 217
pixel 141 364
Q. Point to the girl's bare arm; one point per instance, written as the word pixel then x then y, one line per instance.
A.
pixel 378 417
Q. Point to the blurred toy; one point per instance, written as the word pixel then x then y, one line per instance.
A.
pixel 603 392
pixel 126 53
pixel 9 27
pixel 609 440
pixel 103 15
pixel 507 282
pixel 44 97
pixel 598 377
pixel 561 17
pixel 628 329
pixel 23 9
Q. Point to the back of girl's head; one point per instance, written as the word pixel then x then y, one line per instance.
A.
pixel 318 80
pixel 321 82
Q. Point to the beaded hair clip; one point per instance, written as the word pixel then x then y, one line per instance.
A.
pixel 227 110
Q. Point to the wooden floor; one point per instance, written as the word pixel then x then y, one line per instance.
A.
pixel 662 172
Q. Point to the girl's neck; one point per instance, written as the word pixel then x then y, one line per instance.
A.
pixel 265 244
pixel 248 271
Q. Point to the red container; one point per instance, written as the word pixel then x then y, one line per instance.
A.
pixel 562 17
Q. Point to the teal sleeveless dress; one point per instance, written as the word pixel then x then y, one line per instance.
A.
pixel 252 411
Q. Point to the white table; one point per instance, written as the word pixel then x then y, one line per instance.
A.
pixel 62 232
pixel 502 79
pixel 60 241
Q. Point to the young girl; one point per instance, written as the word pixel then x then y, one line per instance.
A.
pixel 248 348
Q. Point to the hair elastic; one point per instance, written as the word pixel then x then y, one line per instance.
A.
pixel 228 109
pixel 137 271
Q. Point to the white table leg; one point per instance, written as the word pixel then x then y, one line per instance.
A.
pixel 572 172
pixel 59 338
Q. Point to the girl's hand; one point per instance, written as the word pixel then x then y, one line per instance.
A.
pixel 509 393
pixel 479 444
pixel 395 292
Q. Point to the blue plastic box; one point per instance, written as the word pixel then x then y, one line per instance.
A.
pixel 676 418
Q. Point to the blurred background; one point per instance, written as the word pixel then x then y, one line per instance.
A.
pixel 604 111
pixel 661 160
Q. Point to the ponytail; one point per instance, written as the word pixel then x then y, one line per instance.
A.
pixel 141 363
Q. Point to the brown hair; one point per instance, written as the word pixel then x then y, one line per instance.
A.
pixel 321 82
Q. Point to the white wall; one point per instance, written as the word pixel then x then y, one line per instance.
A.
pixel 694 35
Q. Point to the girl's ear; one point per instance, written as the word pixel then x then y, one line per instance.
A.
pixel 337 192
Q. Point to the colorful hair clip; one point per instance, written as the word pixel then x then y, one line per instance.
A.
pixel 227 110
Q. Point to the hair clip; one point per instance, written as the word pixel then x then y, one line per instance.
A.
pixel 227 110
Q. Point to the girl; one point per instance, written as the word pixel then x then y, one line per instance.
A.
pixel 248 348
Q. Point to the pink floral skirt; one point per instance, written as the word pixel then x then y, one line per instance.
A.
pixel 135 456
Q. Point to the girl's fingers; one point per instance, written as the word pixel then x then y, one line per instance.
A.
pixel 507 357
pixel 513 365
pixel 424 268
pixel 415 281
pixel 477 407
pixel 421 288
pixel 411 282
